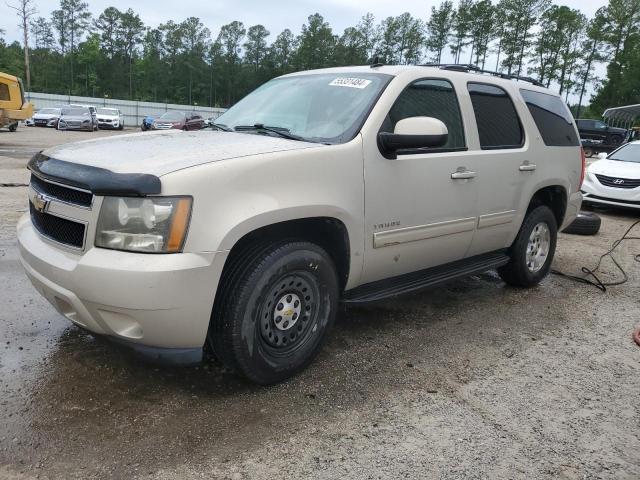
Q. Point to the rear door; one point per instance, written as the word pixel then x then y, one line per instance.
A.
pixel 505 165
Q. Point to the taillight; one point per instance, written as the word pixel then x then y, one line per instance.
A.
pixel 583 159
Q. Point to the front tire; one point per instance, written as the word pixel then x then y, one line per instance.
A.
pixel 273 310
pixel 533 250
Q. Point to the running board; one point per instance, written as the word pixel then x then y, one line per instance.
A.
pixel 431 277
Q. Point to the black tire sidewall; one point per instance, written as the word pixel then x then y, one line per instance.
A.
pixel 253 359
pixel 586 223
pixel 519 248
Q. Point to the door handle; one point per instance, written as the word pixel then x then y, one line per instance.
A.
pixel 462 174
pixel 527 167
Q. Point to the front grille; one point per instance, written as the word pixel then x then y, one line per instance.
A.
pixel 617 182
pixel 58 229
pixel 65 194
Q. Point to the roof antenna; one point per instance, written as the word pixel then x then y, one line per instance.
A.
pixel 375 62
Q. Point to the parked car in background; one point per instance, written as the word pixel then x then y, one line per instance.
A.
pixel 601 132
pixel 77 118
pixel 110 118
pixel 147 122
pixel 178 121
pixel 47 117
pixel 615 178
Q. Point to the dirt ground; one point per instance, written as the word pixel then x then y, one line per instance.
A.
pixel 473 380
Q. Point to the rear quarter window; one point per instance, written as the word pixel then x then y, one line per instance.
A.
pixel 553 119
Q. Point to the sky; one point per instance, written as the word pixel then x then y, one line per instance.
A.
pixel 274 14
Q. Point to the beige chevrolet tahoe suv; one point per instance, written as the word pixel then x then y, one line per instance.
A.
pixel 347 184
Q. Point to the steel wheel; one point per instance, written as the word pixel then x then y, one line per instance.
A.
pixel 288 312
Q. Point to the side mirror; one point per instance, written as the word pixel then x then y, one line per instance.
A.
pixel 413 133
pixel 602 156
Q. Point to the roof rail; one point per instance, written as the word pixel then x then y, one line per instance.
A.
pixel 459 67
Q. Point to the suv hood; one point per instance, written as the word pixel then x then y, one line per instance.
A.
pixel 616 168
pixel 161 152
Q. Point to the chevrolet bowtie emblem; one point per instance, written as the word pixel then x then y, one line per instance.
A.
pixel 40 202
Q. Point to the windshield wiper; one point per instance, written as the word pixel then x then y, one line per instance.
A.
pixel 219 126
pixel 283 132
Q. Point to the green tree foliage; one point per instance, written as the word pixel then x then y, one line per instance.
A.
pixel 117 55
pixel 439 30
pixel 621 28
pixel 316 44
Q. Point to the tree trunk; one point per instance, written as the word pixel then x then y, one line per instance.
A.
pixel 585 79
pixel 27 67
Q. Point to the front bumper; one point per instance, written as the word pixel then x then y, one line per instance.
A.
pixel 594 192
pixel 158 303
pixel 107 125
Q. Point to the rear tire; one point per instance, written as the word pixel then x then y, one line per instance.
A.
pixel 13 127
pixel 274 308
pixel 532 251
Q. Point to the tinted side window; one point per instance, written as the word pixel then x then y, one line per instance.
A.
pixel 429 98
pixel 553 119
pixel 4 91
pixel 498 122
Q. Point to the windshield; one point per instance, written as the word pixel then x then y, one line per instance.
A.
pixel 50 111
pixel 172 116
pixel 328 108
pixel 107 111
pixel 629 153
pixel 75 111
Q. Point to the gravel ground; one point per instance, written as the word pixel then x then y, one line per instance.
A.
pixel 473 380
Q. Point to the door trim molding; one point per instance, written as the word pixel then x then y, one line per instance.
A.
pixel 423 232
pixel 494 219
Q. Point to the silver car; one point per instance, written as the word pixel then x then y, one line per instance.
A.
pixel 77 118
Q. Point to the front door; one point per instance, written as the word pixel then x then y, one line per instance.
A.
pixel 420 209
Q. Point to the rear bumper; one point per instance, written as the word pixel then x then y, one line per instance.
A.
pixel 158 304
pixel 573 208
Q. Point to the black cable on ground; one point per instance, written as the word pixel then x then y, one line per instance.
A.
pixel 591 272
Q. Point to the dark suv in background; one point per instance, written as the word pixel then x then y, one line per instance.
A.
pixel 601 132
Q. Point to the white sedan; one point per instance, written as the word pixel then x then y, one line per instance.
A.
pixel 615 178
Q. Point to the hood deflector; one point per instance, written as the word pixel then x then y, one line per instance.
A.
pixel 97 180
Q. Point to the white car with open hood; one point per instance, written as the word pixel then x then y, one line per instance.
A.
pixel 350 184
pixel 615 178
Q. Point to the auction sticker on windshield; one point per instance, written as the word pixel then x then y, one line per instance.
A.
pixel 351 82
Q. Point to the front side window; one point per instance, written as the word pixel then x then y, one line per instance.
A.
pixel 498 122
pixel 326 108
pixel 600 125
pixel 552 117
pixel 429 98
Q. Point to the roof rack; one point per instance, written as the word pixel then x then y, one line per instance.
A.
pixel 459 67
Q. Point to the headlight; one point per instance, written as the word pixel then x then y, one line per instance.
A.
pixel 152 224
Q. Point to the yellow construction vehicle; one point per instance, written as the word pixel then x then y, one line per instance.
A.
pixel 13 106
